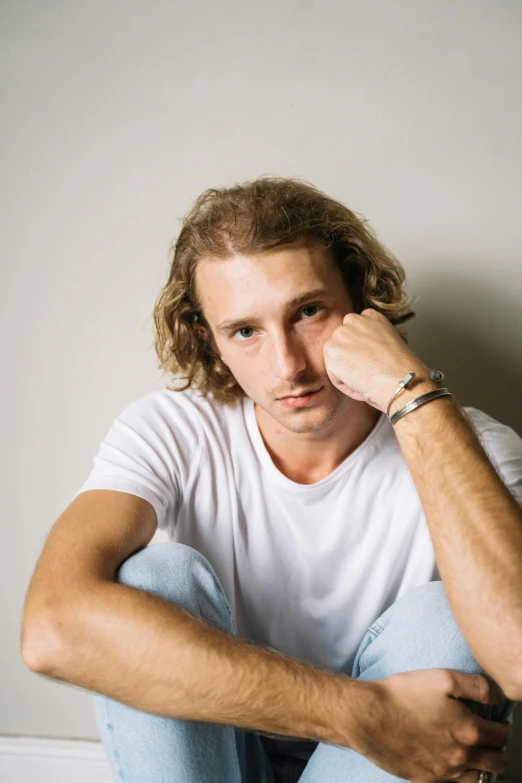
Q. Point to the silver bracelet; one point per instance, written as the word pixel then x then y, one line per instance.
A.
pixel 435 375
pixel 433 395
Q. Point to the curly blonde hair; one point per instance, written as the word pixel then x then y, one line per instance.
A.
pixel 246 219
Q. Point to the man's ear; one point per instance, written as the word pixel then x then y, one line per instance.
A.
pixel 201 330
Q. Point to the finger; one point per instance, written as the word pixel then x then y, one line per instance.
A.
pixel 474 686
pixel 488 760
pixel 492 733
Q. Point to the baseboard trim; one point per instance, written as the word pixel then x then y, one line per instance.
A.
pixel 34 760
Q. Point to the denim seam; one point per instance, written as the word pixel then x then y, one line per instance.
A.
pixel 236 755
pixel 110 734
pixel 220 590
pixel 374 630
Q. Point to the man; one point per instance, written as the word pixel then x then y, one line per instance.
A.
pixel 296 623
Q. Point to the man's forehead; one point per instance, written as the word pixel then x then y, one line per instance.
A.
pixel 305 262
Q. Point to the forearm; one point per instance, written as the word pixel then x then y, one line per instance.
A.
pixel 154 656
pixel 476 530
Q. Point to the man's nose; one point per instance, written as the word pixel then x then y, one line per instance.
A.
pixel 289 356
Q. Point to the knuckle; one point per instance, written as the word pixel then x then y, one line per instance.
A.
pixel 441 770
pixel 447 679
pixel 458 757
pixel 455 757
pixel 473 736
pixel 470 734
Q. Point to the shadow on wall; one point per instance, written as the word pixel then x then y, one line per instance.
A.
pixel 473 334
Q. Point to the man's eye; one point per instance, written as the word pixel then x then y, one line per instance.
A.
pixel 249 328
pixel 312 307
pixel 244 329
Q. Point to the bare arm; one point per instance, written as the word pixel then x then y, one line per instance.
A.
pixel 476 529
pixel 83 628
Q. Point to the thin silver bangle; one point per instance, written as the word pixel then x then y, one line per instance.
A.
pixel 428 397
pixel 435 375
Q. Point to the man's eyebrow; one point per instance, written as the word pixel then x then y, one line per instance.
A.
pixel 237 323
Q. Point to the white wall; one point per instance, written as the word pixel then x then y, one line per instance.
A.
pixel 117 114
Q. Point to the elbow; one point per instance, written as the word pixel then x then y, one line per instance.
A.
pixel 512 691
pixel 506 670
pixel 41 646
pixel 512 686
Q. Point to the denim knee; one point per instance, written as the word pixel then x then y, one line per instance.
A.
pixel 182 575
pixel 419 631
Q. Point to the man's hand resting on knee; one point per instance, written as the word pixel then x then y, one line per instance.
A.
pixel 419 730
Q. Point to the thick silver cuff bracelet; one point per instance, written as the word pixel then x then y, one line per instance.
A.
pixel 435 375
pixel 428 397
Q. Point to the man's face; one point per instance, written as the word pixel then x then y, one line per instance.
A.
pixel 274 348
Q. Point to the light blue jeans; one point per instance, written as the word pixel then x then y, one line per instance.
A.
pixel 417 632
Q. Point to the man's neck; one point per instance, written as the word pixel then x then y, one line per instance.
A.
pixel 307 458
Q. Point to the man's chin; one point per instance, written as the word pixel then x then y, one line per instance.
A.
pixel 310 417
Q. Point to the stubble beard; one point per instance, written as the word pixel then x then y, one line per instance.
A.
pixel 331 415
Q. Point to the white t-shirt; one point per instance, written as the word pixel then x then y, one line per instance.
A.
pixel 307 568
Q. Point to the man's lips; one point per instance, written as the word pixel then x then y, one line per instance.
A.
pixel 300 393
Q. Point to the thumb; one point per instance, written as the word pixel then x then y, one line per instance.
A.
pixel 477 687
pixel 333 378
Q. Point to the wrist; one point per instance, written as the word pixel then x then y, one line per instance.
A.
pixel 351 713
pixel 421 384
pixel 419 387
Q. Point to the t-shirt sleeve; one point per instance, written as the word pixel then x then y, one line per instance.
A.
pixel 148 451
pixel 504 448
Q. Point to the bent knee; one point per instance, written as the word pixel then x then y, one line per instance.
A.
pixel 419 631
pixel 423 607
pixel 180 574
pixel 157 565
